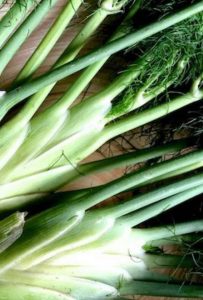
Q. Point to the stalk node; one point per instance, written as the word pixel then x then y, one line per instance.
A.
pixel 2 93
pixel 112 6
pixel 196 87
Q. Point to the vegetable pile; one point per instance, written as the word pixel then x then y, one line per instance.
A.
pixel 68 248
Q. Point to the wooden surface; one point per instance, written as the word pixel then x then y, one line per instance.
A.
pixel 105 75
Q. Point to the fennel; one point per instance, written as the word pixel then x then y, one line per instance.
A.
pixel 9 23
pixel 22 33
pixel 67 251
pixel 56 30
pixel 26 113
pixel 62 241
pixel 62 138
pixel 27 89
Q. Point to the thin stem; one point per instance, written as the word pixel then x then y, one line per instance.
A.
pixel 102 103
pixel 159 262
pixel 162 289
pixel 154 196
pixel 102 165
pixel 181 240
pixel 17 95
pixel 119 185
pixel 78 86
pixel 14 17
pixel 76 44
pixel 36 100
pixel 49 40
pixel 181 171
pixel 110 92
pixel 24 31
pixel 43 180
pixel 134 121
pixel 136 178
pixel 112 130
pixel 160 207
pixel 22 202
pixel 72 195
pixel 131 158
pixel 109 164
pixel 164 232
pixel 150 115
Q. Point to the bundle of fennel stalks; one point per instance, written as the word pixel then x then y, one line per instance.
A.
pixel 59 245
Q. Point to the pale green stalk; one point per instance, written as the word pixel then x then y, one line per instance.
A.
pixel 141 97
pixel 134 121
pixel 73 152
pixel 80 241
pixel 27 89
pixel 75 287
pixel 169 231
pixel 94 21
pixel 157 208
pixel 9 149
pixel 147 199
pixel 52 152
pixel 118 161
pixel 135 179
pixel 70 53
pixel 51 179
pixel 23 32
pixel 78 236
pixel 40 138
pixel 88 74
pixel 90 110
pixel 25 291
pixel 124 160
pixel 12 201
pixel 14 17
pixel 130 158
pixel 11 229
pixel 110 93
pixel 32 240
pixel 36 139
pixel 150 115
pixel 96 272
pixel 53 35
pixel 65 211
pixel 22 201
pixel 181 171
pixel 162 289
